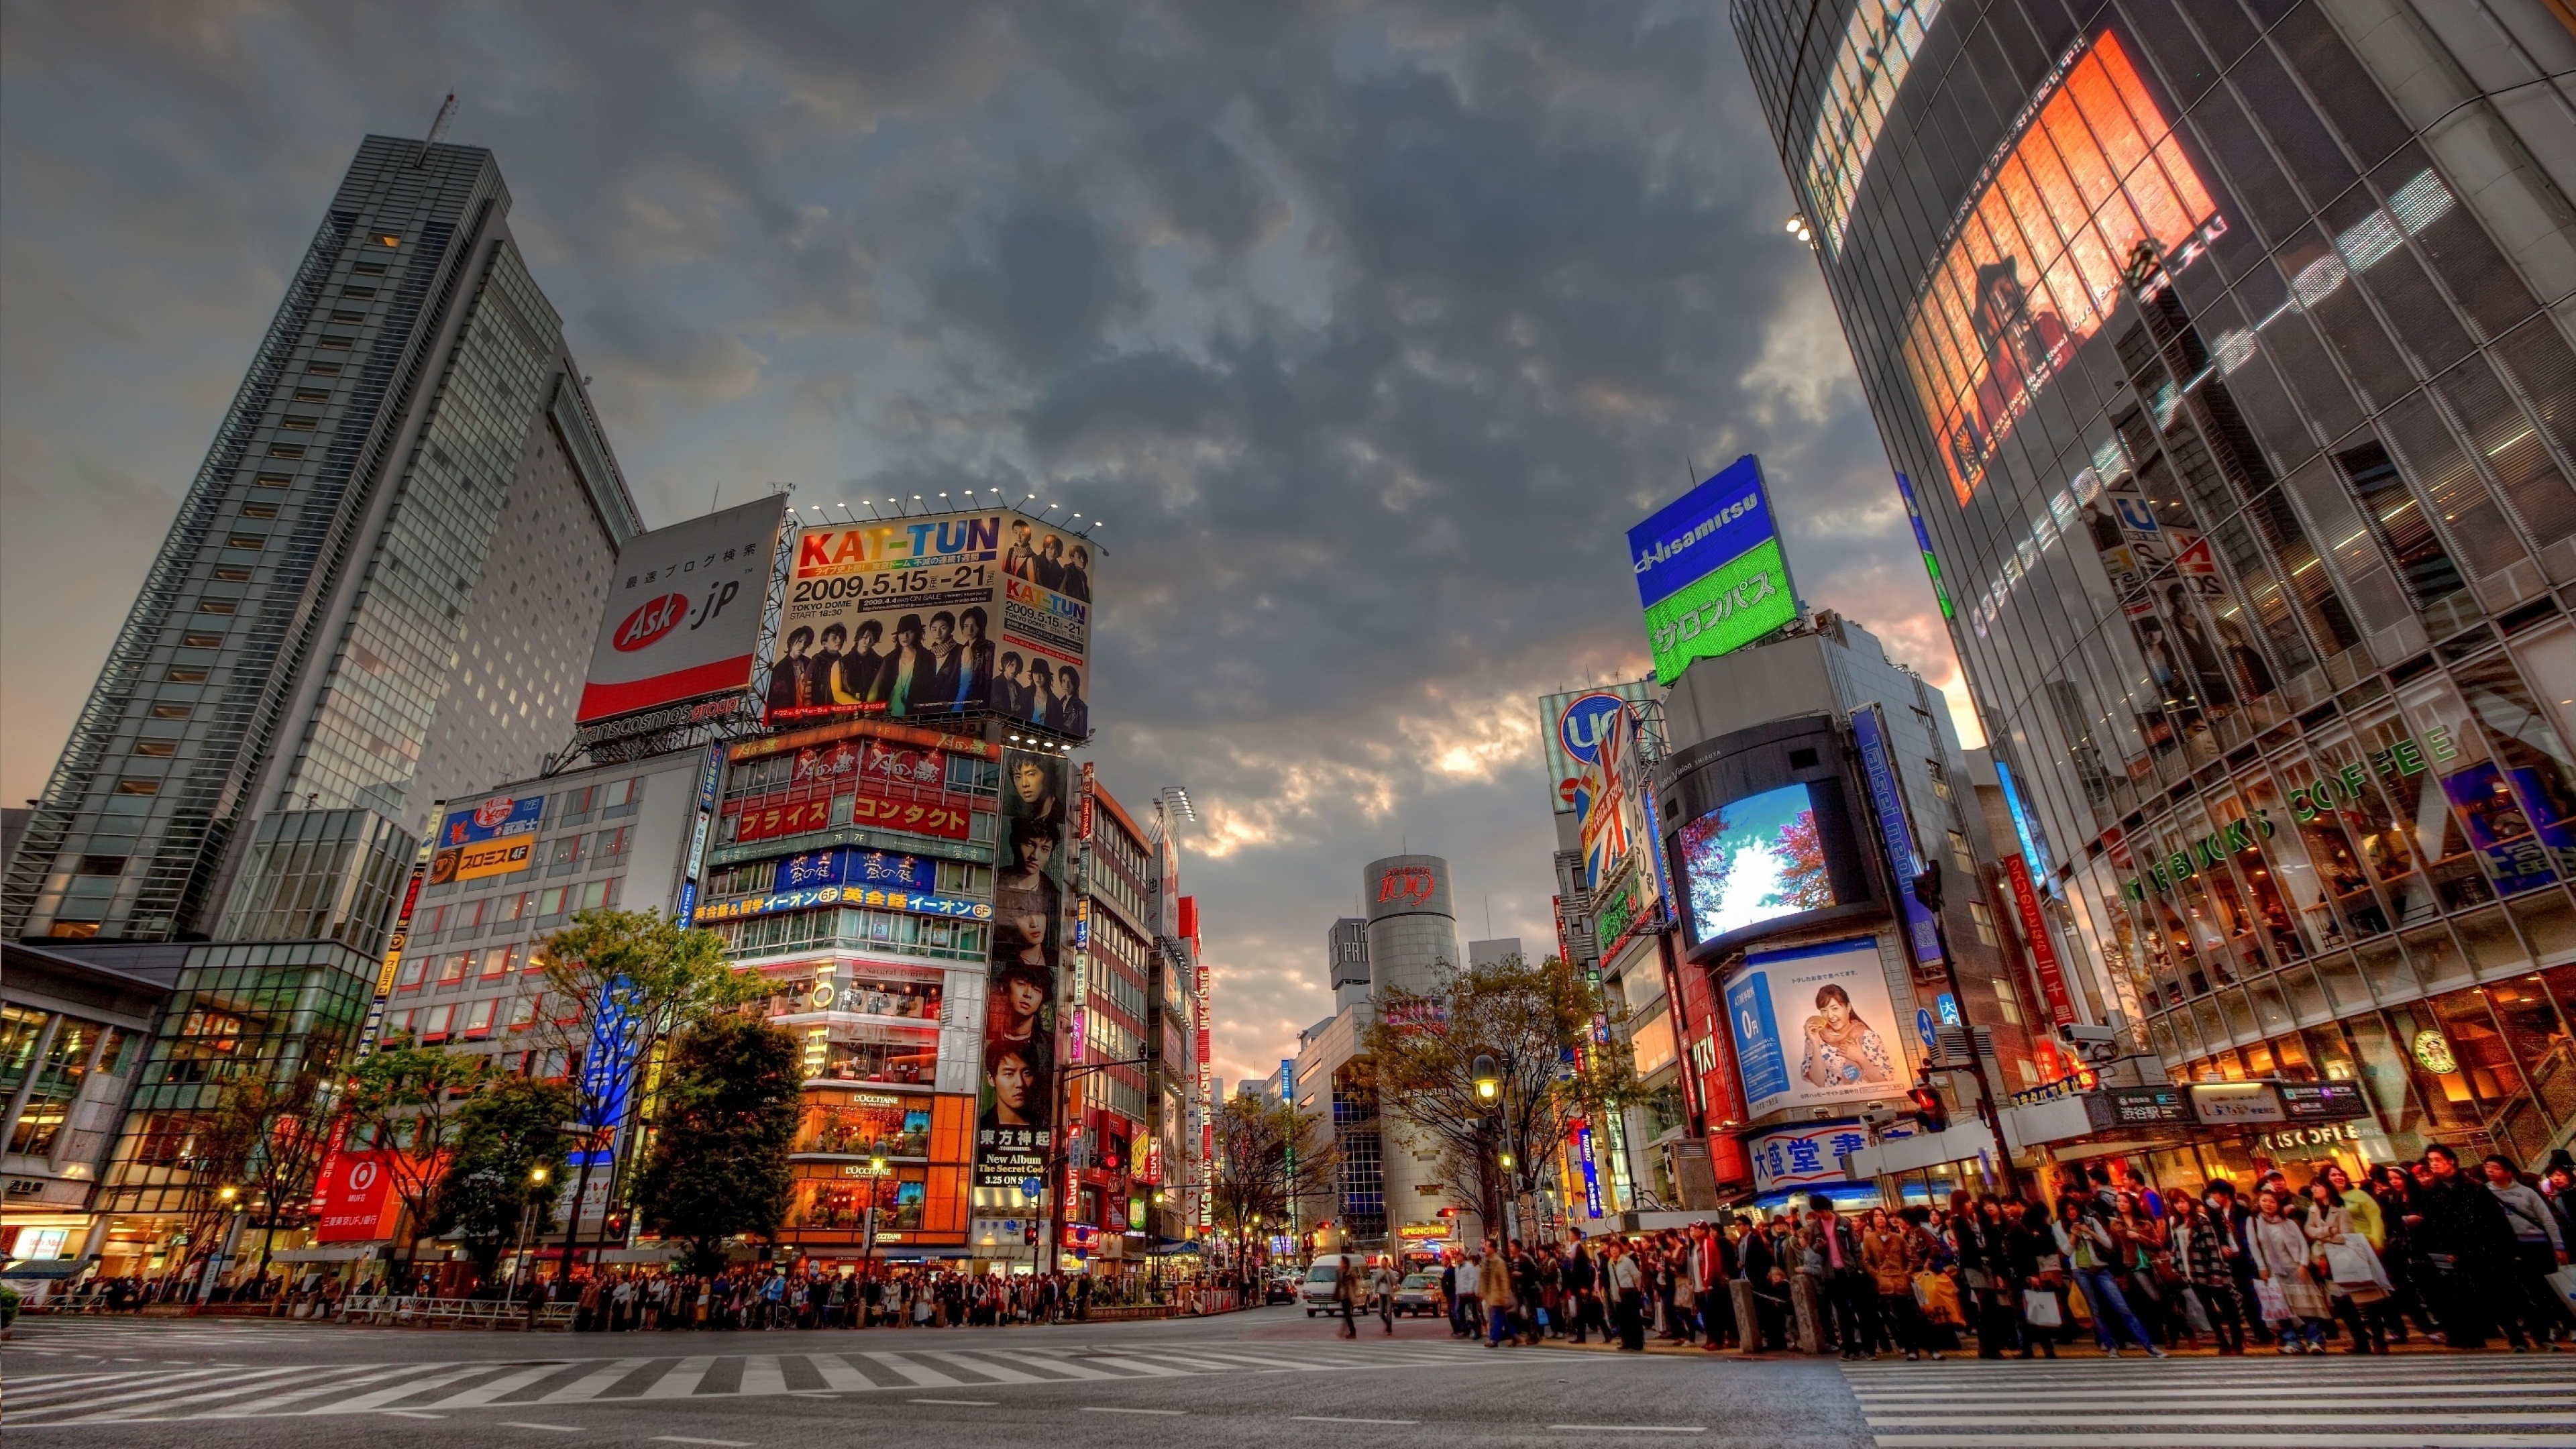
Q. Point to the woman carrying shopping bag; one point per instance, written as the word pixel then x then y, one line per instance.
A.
pixel 2286 1286
pixel 2355 1282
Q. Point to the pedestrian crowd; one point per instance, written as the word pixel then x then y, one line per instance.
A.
pixel 2458 1253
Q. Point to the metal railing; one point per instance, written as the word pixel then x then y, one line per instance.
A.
pixel 414 1311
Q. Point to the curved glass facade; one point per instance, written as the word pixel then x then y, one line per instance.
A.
pixel 2223 349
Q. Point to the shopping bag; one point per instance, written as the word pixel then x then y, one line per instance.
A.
pixel 1940 1298
pixel 2563 1283
pixel 2076 1304
pixel 2269 1301
pixel 2351 1264
pixel 2040 1310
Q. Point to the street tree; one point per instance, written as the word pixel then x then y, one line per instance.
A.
pixel 619 985
pixel 1268 1155
pixel 507 1166
pixel 403 1101
pixel 1533 1023
pixel 721 1133
pixel 275 1135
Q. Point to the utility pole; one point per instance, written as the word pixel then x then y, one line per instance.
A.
pixel 1927 889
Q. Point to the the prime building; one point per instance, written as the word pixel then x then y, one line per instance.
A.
pixel 381 586
pixel 380 591
pixel 2223 353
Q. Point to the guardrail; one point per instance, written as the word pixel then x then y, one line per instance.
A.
pixel 412 1311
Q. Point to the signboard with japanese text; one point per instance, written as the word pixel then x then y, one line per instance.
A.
pixel 845 865
pixel 1710 573
pixel 964 613
pixel 2043 952
pixel 919 903
pixel 682 621
pixel 1896 832
pixel 497 836
pixel 357 1202
pixel 1844 1049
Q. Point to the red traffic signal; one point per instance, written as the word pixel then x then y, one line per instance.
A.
pixel 1931 1114
pixel 1029 1234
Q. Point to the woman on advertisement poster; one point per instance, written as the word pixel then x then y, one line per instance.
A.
pixel 1841 1048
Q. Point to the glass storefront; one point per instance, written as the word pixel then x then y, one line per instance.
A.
pixel 2222 380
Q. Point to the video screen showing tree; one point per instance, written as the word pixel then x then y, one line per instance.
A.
pixel 1754 860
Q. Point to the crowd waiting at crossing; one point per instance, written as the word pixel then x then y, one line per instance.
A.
pixel 2460 1253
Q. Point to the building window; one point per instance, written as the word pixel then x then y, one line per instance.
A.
pixel 2398 519
pixel 247 540
pixel 436 1021
pixel 138 787
pixel 219 606
pixel 259 510
pixel 273 480
pixel 1961 855
pixel 322 369
pixel 313 394
pixel 496 961
pixel 451 969
pixel 190 673
pixel 478 1017
pixel 173 711
pixel 414 970
pixel 233 573
pixel 298 422
pixel 286 450
pixel 156 749
pixel 1985 920
pixel 100 865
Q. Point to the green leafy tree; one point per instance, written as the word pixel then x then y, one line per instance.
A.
pixel 506 1134
pixel 405 1100
pixel 1534 1021
pixel 618 986
pixel 722 1130
pixel 276 1131
pixel 1268 1154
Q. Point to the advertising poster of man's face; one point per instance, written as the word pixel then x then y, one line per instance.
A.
pixel 1019 1081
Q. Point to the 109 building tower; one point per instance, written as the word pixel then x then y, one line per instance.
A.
pixel 2223 353
pixel 380 588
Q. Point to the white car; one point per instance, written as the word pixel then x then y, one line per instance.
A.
pixel 1316 1293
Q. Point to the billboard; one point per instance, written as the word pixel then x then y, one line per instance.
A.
pixel 683 616
pixel 1896 832
pixel 356 1202
pixel 496 837
pixel 2038 255
pixel 1569 733
pixel 1710 573
pixel 1613 819
pixel 1754 860
pixel 1813 1027
pixel 966 613
pixel 1016 1099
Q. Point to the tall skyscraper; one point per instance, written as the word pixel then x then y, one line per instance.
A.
pixel 2223 352
pixel 382 586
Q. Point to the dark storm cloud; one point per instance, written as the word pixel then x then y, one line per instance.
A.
pixel 1367 329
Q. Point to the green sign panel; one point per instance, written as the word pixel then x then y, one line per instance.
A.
pixel 1722 611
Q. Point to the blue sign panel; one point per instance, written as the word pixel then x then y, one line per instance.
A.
pixel 849 865
pixel 1758 1057
pixel 1896 831
pixel 607 1069
pixel 1699 533
pixel 2034 843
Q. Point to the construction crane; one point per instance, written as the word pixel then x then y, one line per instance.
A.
pixel 437 129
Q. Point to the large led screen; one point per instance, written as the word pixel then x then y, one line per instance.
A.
pixel 2035 263
pixel 1755 860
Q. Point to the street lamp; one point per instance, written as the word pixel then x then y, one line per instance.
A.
pixel 1489 1081
pixel 527 1208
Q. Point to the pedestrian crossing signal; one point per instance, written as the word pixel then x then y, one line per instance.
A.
pixel 1931 1114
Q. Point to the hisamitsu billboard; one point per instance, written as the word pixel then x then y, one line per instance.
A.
pixel 1710 573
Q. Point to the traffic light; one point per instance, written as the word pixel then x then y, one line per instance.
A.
pixel 1029 1234
pixel 1931 1114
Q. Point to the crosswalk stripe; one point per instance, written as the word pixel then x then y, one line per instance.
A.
pixel 160 1395
pixel 838 1373
pixel 761 1374
pixel 402 1390
pixel 271 1406
pixel 1053 1363
pixel 491 1390
pixel 997 1372
pixel 919 1375
pixel 21 1395
pixel 682 1380
pixel 591 1384
pixel 1141 1366
pixel 2342 1440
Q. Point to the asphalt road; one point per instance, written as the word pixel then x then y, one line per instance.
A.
pixel 1271 1377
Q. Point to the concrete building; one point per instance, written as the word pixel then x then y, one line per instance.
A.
pixel 2249 490
pixel 1493 952
pixel 1346 961
pixel 1412 928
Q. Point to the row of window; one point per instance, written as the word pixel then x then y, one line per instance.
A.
pixel 898 932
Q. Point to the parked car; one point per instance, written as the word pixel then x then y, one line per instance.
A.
pixel 1419 1293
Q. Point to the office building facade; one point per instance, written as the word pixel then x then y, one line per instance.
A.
pixel 380 588
pixel 2223 354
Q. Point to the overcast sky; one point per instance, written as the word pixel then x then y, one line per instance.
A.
pixel 1368 329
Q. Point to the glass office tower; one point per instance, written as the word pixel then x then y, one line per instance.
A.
pixel 381 587
pixel 2222 351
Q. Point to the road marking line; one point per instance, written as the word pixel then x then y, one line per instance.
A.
pixel 1332 1419
pixel 682 1380
pixel 684 1439
pixel 839 1375
pixel 762 1375
pixel 1633 1428
pixel 966 1403
pixel 491 1390
pixel 591 1384
pixel 413 1414
pixel 919 1375
pixel 1099 1409
pixel 550 1428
